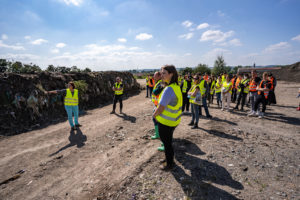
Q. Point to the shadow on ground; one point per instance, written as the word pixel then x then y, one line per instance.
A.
pixel 126 117
pixel 77 139
pixel 203 173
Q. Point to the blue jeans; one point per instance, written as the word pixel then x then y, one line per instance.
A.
pixel 72 110
pixel 219 98
pixel 195 112
pixel 204 104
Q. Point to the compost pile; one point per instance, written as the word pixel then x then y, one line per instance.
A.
pixel 25 106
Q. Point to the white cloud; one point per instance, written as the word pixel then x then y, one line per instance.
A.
pixel 54 51
pixel 276 47
pixel 202 26
pixel 39 41
pixel 4 37
pixel 186 36
pixel 297 38
pixel 187 54
pixel 216 35
pixel 31 16
pixel 27 37
pixel 13 47
pixel 73 2
pixel 187 23
pixel 143 36
pixel 60 45
pixel 20 57
pixel 234 42
pixel 122 40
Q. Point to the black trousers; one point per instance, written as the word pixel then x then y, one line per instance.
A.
pixel 260 99
pixel 185 102
pixel 116 99
pixel 233 95
pixel 242 96
pixel 166 136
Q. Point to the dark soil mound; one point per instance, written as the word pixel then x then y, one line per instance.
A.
pixel 290 73
pixel 24 105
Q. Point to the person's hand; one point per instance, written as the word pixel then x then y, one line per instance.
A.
pixel 46 92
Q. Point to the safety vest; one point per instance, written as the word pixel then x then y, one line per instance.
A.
pixel 238 80
pixel 218 87
pixel 171 115
pixel 205 77
pixel 192 90
pixel 202 87
pixel 227 85
pixel 266 93
pixel 252 86
pixel 179 80
pixel 155 97
pixel 244 82
pixel 150 82
pixel 212 87
pixel 71 100
pixel 223 78
pixel 147 81
pixel 117 86
pixel 184 86
pixel 272 83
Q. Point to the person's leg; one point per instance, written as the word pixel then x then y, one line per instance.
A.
pixel 264 102
pixel 252 102
pixel 69 113
pixel 196 107
pixel 166 136
pixel 184 99
pixel 243 100
pixel 205 106
pixel 147 90
pixel 223 101
pixel 200 110
pixel 239 97
pixel 257 102
pixel 228 100
pixel 76 113
pixel 187 105
pixel 218 98
pixel 121 102
pixel 115 102
pixel 212 97
pixel 193 114
pixel 151 89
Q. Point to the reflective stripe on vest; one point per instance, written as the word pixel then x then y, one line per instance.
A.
pixel 266 93
pixel 117 86
pixel 218 90
pixel 252 86
pixel 227 86
pixel 155 97
pixel 202 88
pixel 184 86
pixel 171 115
pixel 147 81
pixel 192 90
pixel 71 100
pixel 246 89
pixel 212 87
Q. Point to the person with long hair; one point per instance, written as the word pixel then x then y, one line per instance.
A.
pixel 168 112
pixel 195 89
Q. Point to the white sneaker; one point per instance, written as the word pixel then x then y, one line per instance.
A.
pixel 261 115
pixel 251 111
pixel 257 113
pixel 222 109
pixel 251 114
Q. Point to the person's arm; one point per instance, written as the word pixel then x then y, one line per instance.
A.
pixel 158 110
pixel 55 91
pixel 196 91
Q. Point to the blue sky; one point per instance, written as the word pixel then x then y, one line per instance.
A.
pixel 131 34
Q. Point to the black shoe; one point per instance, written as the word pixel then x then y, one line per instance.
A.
pixel 73 128
pixel 191 124
pixel 112 112
pixel 242 109
pixel 236 108
pixel 209 117
pixel 78 125
pixel 195 126
pixel 167 167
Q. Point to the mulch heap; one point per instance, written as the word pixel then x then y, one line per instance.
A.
pixel 289 73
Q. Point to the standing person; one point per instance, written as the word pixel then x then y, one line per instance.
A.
pixel 298 109
pixel 204 88
pixel 272 97
pixel 147 86
pixel 158 88
pixel 185 87
pixel 151 85
pixel 212 90
pixel 262 91
pixel 254 82
pixel 71 102
pixel 226 93
pixel 218 91
pixel 243 90
pixel 234 89
pixel 168 112
pixel 193 92
pixel 118 89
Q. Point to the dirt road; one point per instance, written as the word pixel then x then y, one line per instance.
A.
pixel 231 156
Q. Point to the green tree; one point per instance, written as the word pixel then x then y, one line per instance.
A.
pixel 202 69
pixel 63 69
pixel 187 70
pixel 16 67
pixel 51 68
pixel 87 70
pixel 219 66
pixel 3 65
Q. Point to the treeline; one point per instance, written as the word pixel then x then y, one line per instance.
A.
pixel 219 68
pixel 18 67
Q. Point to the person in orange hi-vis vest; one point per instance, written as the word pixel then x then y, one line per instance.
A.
pixel 151 85
pixel 254 82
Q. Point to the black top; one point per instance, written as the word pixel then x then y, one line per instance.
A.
pixel 265 84
pixel 63 92
pixel 159 88
pixel 189 85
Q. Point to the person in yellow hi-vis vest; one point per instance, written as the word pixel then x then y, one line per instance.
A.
pixel 71 103
pixel 118 90
pixel 226 93
pixel 168 112
pixel 243 90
